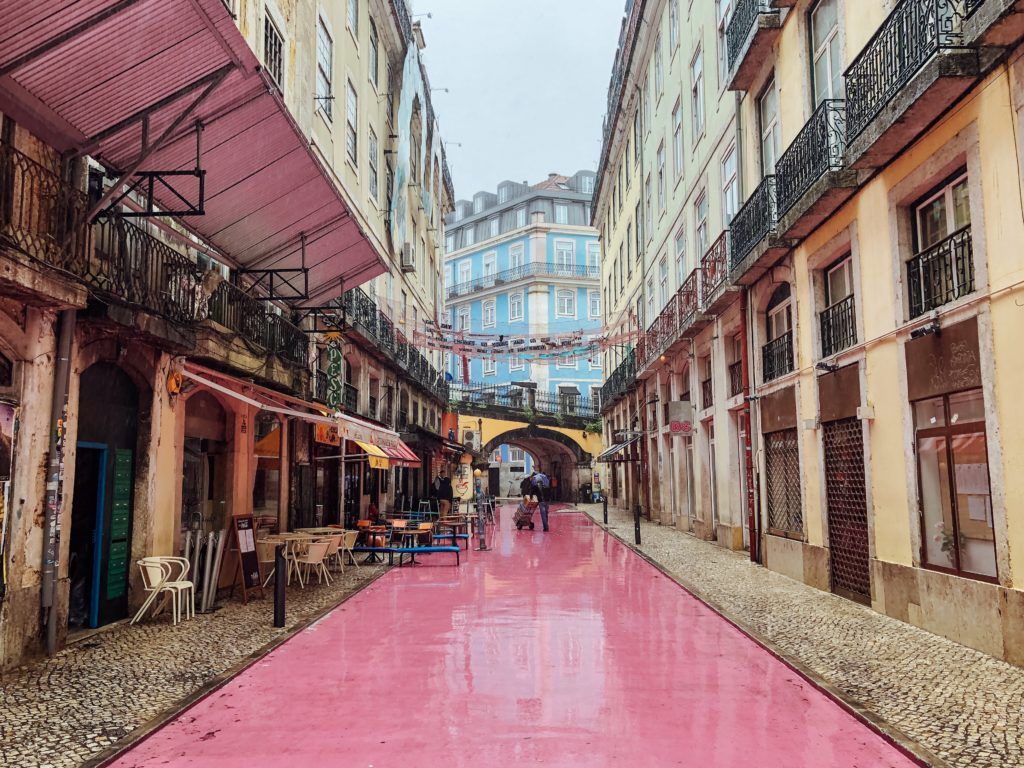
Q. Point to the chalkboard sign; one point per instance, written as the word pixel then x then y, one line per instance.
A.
pixel 248 559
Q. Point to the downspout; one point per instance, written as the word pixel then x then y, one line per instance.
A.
pixel 645 475
pixel 55 475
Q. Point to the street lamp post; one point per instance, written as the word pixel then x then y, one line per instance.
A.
pixel 481 528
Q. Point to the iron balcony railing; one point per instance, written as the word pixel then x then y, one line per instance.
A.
pixel 735 378
pixel 817 149
pixel 754 221
pixel 674 318
pixel 512 398
pixel 714 269
pixel 622 379
pixel 250 318
pixel 941 274
pixel 838 327
pixel 744 19
pixel 320 386
pixel 350 398
pixel 908 38
pixel 533 269
pixel 777 357
pixel 707 394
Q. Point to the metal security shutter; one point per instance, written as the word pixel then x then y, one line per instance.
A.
pixel 847 509
pixel 782 476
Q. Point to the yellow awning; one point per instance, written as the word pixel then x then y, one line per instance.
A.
pixel 374 455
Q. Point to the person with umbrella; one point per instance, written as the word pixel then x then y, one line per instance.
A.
pixel 541 485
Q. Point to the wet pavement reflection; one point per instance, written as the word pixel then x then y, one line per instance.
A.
pixel 557 649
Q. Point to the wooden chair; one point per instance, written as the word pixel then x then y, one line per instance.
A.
pixel 313 558
pixel 348 541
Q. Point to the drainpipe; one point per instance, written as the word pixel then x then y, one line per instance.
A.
pixel 748 453
pixel 55 475
pixel 645 475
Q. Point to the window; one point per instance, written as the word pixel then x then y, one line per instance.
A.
pixel 352 124
pixel 463 319
pixel 659 69
pixel 677 139
pixel 520 217
pixel 587 185
pixel 465 271
pixel 516 455
pixel 779 319
pixel 565 303
pixel 490 368
pixel 353 17
pixel 515 307
pixel 503 194
pixel 663 279
pixel 595 305
pixel 565 255
pixel 449 243
pixel 373 151
pixel 273 51
pixel 638 217
pixel 625 163
pixel 648 203
pixel 827 69
pixel 700 222
pixel 660 177
pixel 324 69
pixel 724 11
pixel 516 256
pixel 493 227
pixel 730 185
pixel 629 249
pixel 681 272
pixel 490 315
pixel 768 119
pixel 673 24
pixel 448 276
pixel 953 484
pixel 566 361
pixel 942 213
pixel 838 282
pixel 647 102
pixel 697 93
pixel 391 103
pixel 636 137
pixel 561 213
pixel 593 255
pixel 468 236
pixel 650 299
pixel 490 264
pixel 515 363
pixel 375 56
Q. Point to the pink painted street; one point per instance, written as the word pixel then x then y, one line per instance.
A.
pixel 558 649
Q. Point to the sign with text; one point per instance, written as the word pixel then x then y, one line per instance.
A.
pixel 680 418
pixel 244 527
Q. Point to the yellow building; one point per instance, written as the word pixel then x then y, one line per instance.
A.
pixel 875 261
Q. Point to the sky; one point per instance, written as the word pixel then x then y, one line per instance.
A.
pixel 527 85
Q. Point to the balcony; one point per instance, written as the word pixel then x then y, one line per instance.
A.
pixel 320 386
pixel 350 398
pixel 755 246
pixel 777 357
pixel 752 31
pixel 715 290
pixel 941 274
pixel 810 178
pixel 707 394
pixel 910 71
pixel 250 318
pixel 621 381
pixel 507 401
pixel 680 319
pixel 735 378
pixel 838 326
pixel 533 269
pixel 994 22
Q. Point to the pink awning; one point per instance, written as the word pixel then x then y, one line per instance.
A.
pixel 81 74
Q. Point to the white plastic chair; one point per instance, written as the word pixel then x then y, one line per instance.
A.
pixel 313 558
pixel 166 576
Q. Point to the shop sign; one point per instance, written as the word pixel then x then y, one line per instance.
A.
pixel 327 434
pixel 680 418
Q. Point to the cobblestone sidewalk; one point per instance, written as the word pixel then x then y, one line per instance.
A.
pixel 961 705
pixel 65 710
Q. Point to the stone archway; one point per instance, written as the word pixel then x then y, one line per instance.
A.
pixel 557 454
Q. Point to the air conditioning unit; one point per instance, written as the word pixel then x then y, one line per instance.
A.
pixel 408 258
pixel 471 439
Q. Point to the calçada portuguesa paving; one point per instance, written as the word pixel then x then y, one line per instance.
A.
pixel 558 649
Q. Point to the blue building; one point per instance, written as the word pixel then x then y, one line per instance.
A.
pixel 524 262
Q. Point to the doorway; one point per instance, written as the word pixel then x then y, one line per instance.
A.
pixel 847 509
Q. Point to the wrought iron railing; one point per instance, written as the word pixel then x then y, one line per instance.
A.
pixel 136 268
pixel 744 19
pixel 714 268
pixel 777 357
pixel 320 386
pixel 707 394
pixel 236 310
pixel 914 32
pixel 941 274
pixel 533 269
pixel 350 398
pixel 674 318
pixel 511 398
pixel 818 148
pixel 754 221
pixel 838 327
pixel 735 378
pixel 404 18
pixel 622 379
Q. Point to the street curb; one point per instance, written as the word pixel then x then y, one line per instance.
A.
pixel 893 735
pixel 215 683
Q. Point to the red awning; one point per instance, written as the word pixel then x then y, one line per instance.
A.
pixel 83 75
pixel 401 455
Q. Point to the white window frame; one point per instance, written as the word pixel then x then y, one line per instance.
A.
pixel 769 129
pixel 463 319
pixel 563 249
pixel 730 185
pixel 515 307
pixel 566 361
pixel 824 50
pixel 449 243
pixel 516 255
pixel 594 304
pixel 270 25
pixel 846 268
pixel 679 243
pixel 515 363
pixel 700 225
pixel 593 255
pixel 673 25
pixel 352 18
pixel 490 367
pixel 663 279
pixel 352 124
pixel 677 138
pixel 490 264
pixel 374 60
pixel 697 93
pixel 516 455
pixel 662 196
pixel 494 227
pixel 489 313
pixel 373 152
pixel 324 69
pixel 561 213
pixel 520 217
pixel 565 303
pixel 659 69
pixel 723 12
pixel 468 235
pixel 465 268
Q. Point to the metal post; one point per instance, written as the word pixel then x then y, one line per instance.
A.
pixel 55 475
pixel 636 524
pixel 481 526
pixel 280 582
pixel 604 500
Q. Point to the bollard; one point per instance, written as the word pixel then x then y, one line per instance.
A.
pixel 481 526
pixel 280 582
pixel 636 524
pixel 604 499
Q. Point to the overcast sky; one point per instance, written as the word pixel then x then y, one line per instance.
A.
pixel 527 81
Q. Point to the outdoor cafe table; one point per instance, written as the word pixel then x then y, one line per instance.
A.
pixel 325 531
pixel 293 544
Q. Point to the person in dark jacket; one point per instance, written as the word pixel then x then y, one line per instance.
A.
pixel 542 486
pixel 441 489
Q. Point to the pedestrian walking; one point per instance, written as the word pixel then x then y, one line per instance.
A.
pixel 445 494
pixel 542 486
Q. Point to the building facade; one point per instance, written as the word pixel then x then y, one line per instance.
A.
pixel 524 262
pixel 183 335
pixel 863 319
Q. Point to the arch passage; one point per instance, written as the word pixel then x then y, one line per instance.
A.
pixel 557 454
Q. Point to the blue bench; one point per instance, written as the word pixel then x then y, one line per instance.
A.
pixel 454 538
pixel 411 551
